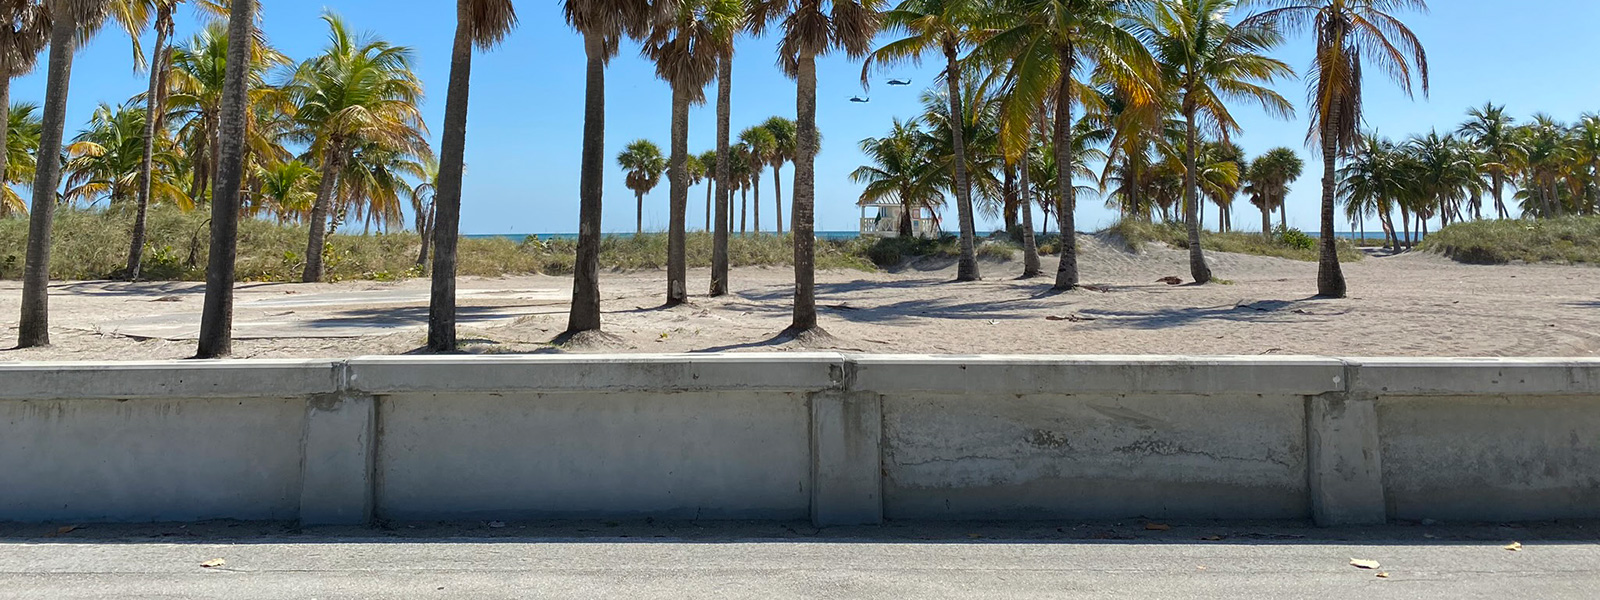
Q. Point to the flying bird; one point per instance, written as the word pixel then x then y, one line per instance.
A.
pixel 899 82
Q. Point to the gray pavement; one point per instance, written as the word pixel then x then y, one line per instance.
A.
pixel 611 560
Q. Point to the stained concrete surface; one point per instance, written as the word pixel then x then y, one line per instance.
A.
pixel 685 560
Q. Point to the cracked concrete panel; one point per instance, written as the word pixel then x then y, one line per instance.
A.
pixel 684 455
pixel 1490 458
pixel 1094 456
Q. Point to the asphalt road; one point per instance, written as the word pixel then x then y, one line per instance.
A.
pixel 609 560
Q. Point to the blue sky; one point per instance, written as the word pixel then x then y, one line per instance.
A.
pixel 522 155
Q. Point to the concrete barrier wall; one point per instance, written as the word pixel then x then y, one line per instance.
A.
pixel 842 439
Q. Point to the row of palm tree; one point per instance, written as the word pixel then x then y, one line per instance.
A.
pixel 769 144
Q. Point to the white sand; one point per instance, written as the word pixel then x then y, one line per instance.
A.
pixel 1410 305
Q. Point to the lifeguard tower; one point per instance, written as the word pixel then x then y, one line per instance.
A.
pixel 881 218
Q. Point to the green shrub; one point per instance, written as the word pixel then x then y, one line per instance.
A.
pixel 1291 244
pixel 1294 238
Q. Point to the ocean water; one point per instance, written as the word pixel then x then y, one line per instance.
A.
pixel 823 235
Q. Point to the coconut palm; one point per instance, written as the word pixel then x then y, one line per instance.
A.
pixel 288 190
pixel 1585 178
pixel 373 183
pixel 643 162
pixel 72 22
pixel 949 27
pixel 424 207
pixel 24 31
pixel 602 23
pixel 216 321
pixel 1491 130
pixel 759 145
pixel 1210 62
pixel 195 79
pixel 1548 155
pixel 1348 33
pixel 360 89
pixel 480 23
pixel 104 162
pixel 808 29
pixel 686 48
pixel 21 156
pixel 902 170
pixel 783 136
pixel 1049 44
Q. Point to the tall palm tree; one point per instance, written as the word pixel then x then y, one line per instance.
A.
pixel 359 89
pixel 948 27
pixel 21 156
pixel 216 321
pixel 644 164
pixel 783 136
pixel 480 23
pixel 424 198
pixel 1049 42
pixel 72 21
pixel 24 31
pixel 1269 178
pixel 812 28
pixel 902 170
pixel 686 48
pixel 603 23
pixel 1347 33
pixel 1491 130
pixel 759 146
pixel 288 189
pixel 708 173
pixel 1209 62
pixel 155 104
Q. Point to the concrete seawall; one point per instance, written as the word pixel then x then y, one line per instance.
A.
pixel 839 439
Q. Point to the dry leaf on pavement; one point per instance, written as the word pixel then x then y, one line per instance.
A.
pixel 1157 526
pixel 1383 574
pixel 213 563
pixel 1363 563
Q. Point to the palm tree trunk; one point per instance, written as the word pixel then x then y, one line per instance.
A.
pixel 711 185
pixel 1266 221
pixel 424 233
pixel 1030 246
pixel 777 193
pixel 34 327
pixel 678 200
pixel 755 216
pixel 744 210
pixel 216 322
pixel 446 221
pixel 585 313
pixel 1405 225
pixel 719 240
pixel 1330 277
pixel 1283 212
pixel 1009 200
pixel 638 227
pixel 1191 194
pixel 967 266
pixel 5 126
pixel 905 216
pixel 332 161
pixel 1066 193
pixel 805 251
pixel 1498 181
pixel 147 161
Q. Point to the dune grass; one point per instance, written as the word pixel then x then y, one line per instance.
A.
pixel 94 245
pixel 1291 244
pixel 1565 240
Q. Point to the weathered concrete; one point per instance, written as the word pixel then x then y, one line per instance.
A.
pixel 839 438
pixel 846 458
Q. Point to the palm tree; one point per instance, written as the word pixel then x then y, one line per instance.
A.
pixel 373 182
pixel 783 136
pixel 708 167
pixel 21 156
pixel 759 145
pixel 1268 180
pixel 1208 61
pixel 1547 158
pixel 216 322
pixel 811 28
pixel 424 198
pixel 288 189
pixel 602 23
pixel 644 165
pixel 1048 43
pixel 24 33
pixel 360 89
pixel 1346 32
pixel 155 104
pixel 104 161
pixel 1491 130
pixel 948 27
pixel 686 50
pixel 72 22
pixel 902 170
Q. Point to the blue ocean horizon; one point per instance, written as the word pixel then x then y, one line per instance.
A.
pixel 823 235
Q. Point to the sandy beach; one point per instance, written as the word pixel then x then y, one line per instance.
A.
pixel 1408 305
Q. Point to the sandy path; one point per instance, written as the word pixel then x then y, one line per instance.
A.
pixel 1410 305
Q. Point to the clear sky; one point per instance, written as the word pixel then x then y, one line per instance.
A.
pixel 522 154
